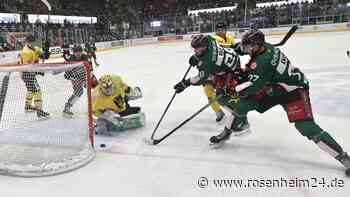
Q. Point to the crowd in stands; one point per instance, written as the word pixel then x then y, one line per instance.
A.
pixel 123 19
pixel 59 7
pixel 57 33
pixel 303 12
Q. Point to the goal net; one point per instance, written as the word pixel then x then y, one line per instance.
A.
pixel 36 139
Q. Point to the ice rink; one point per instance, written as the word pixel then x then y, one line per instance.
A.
pixel 274 151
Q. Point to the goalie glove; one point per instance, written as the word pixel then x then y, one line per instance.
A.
pixel 40 73
pixel 133 93
pixel 182 85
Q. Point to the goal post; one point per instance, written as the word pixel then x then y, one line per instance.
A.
pixel 32 146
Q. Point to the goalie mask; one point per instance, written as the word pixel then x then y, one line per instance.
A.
pixel 106 85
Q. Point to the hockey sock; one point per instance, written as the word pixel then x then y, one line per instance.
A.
pixel 325 142
pixel 322 139
pixel 29 98
pixel 210 93
pixel 38 102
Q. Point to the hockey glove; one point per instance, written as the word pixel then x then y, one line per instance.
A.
pixel 193 61
pixel 182 85
pixel 40 73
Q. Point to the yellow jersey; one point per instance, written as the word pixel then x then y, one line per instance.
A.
pixel 30 55
pixel 226 43
pixel 115 102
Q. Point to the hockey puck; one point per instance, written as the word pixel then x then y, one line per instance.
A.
pixel 347 172
pixel 103 145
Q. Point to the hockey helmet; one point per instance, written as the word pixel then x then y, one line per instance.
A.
pixel 199 41
pixel 221 25
pixel 77 48
pixel 106 85
pixel 30 38
pixel 251 38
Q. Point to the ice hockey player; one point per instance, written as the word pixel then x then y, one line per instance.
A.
pixel 225 41
pixel 212 60
pixel 30 54
pixel 90 50
pixel 111 105
pixel 221 37
pixel 78 78
pixel 272 80
pixel 66 51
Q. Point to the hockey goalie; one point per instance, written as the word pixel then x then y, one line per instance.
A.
pixel 111 107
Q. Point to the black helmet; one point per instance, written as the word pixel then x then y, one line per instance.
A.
pixel 199 41
pixel 77 48
pixel 253 37
pixel 220 25
pixel 30 38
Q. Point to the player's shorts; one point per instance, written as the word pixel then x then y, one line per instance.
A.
pixel 296 103
pixel 30 81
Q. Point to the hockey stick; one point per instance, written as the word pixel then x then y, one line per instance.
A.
pixel 157 141
pixel 167 107
pixel 46 45
pixel 3 91
pixel 291 31
pixel 287 36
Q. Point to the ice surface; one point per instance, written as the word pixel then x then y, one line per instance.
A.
pixel 274 150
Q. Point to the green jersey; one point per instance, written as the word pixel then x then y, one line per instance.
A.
pixel 272 67
pixel 83 57
pixel 90 47
pixel 215 60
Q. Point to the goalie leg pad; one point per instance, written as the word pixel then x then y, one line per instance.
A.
pixel 101 126
pixel 116 123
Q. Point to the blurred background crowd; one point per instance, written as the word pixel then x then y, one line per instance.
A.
pixel 126 19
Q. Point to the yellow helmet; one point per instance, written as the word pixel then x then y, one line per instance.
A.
pixel 106 84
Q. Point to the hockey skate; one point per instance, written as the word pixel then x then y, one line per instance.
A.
pixel 29 108
pixel 41 114
pixel 242 129
pixel 344 159
pixel 218 140
pixel 67 112
pixel 219 116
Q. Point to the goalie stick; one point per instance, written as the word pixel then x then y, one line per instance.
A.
pixel 153 141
